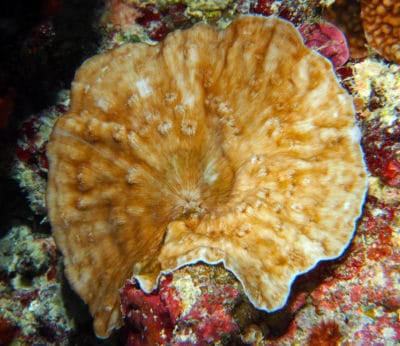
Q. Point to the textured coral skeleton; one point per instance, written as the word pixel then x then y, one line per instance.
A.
pixel 235 146
pixel 381 22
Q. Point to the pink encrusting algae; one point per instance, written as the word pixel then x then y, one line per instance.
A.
pixel 328 40
pixel 182 311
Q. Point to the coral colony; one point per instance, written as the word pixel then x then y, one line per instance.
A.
pixel 236 146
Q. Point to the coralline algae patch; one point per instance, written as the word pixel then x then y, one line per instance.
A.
pixel 328 40
pixel 193 306
pixel 32 310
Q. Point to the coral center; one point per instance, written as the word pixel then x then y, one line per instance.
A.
pixel 198 182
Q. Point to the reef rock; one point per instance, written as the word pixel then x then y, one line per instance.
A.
pixel 235 146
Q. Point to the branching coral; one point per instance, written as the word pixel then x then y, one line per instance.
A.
pixel 235 146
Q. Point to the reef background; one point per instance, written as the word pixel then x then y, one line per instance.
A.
pixel 354 300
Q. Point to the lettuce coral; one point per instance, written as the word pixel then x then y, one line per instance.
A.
pixel 236 146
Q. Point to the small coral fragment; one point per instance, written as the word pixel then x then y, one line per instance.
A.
pixel 235 146
pixel 381 22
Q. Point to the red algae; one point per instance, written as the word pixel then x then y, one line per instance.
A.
pixel 25 297
pixel 375 87
pixel 31 300
pixel 263 7
pixel 133 18
pixel 150 318
pixel 151 19
pixel 379 228
pixel 294 11
pixel 328 40
pixel 327 333
pixel 382 149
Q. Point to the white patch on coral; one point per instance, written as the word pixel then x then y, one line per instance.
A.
pixel 346 205
pixel 133 99
pixel 180 110
pixel 302 71
pixel 209 175
pixel 190 100
pixel 355 134
pixel 164 127
pixel 102 104
pixel 317 95
pixel 151 117
pixel 144 88
pixel 131 175
pixel 223 109
pixel 309 246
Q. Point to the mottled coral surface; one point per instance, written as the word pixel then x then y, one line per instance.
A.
pixel 260 155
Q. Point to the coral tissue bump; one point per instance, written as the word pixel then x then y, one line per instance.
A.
pixel 236 146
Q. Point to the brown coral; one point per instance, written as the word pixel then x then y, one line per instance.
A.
pixel 235 146
pixel 381 22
